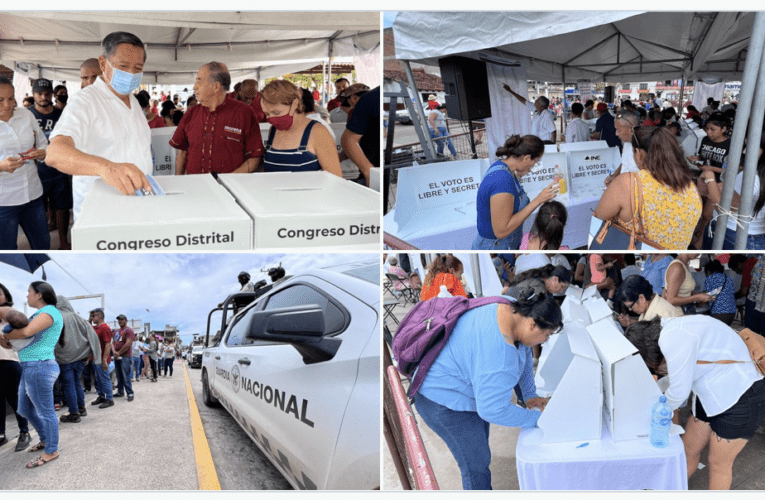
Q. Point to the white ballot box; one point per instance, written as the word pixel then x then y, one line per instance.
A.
pixel 196 213
pixel 162 153
pixel 575 411
pixel 629 389
pixel 580 294
pixel 307 209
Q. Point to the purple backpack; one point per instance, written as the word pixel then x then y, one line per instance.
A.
pixel 425 330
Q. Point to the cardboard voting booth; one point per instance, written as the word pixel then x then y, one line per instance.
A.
pixel 629 389
pixel 574 413
pixel 307 209
pixel 162 153
pixel 589 169
pixel 436 204
pixel 196 213
pixel 690 140
pixel 597 308
pixel 544 172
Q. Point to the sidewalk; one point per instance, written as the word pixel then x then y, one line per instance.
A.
pixel 145 444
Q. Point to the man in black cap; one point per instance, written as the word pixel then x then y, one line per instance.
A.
pixel 244 280
pixel 123 362
pixel 277 275
pixel 57 186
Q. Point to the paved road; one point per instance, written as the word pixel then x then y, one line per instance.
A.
pixel 238 461
pixel 150 438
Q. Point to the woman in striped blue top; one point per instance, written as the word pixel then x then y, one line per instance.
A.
pixel 294 143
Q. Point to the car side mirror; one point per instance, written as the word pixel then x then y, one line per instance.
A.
pixel 289 324
pixel 301 326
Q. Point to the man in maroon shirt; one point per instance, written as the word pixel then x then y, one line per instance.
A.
pixel 340 85
pixel 249 94
pixel 123 362
pixel 218 135
pixel 103 381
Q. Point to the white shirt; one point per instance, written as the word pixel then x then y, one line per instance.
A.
pixel 100 124
pixel 577 131
pixel 560 260
pixel 337 115
pixel 530 261
pixel 542 124
pixel 756 225
pixel 628 159
pixel 17 135
pixel 687 339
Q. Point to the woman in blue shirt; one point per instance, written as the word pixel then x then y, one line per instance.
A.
pixel 470 384
pixel 502 204
pixel 724 305
pixel 39 367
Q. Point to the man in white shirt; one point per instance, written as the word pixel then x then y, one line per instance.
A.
pixel 542 122
pixel 577 130
pixel 103 131
pixel 625 124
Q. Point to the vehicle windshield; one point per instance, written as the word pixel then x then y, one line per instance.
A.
pixel 370 273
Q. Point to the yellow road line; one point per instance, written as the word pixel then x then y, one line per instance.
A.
pixel 208 477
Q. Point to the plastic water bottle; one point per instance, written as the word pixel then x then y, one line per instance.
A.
pixel 444 292
pixel 661 421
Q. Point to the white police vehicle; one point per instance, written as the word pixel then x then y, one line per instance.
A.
pixel 298 368
pixel 194 358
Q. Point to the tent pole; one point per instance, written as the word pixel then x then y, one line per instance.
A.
pixel 748 83
pixel 428 143
pixel 565 98
pixel 680 101
pixel 476 265
pixel 746 204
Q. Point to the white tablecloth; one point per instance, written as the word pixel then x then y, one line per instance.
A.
pixel 601 465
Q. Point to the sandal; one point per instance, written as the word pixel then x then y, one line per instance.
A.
pixel 37 447
pixel 39 462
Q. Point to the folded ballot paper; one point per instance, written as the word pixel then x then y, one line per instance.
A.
pixel 156 190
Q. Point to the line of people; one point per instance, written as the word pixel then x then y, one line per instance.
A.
pixel 57 345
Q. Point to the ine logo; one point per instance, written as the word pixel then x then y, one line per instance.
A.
pixel 235 378
pixel 592 158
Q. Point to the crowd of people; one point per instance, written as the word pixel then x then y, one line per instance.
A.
pixel 680 195
pixel 53 358
pixel 492 349
pixel 50 154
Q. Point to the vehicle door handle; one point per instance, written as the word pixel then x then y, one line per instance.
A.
pixel 244 361
pixel 217 357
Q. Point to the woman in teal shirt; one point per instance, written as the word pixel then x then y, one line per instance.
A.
pixel 39 367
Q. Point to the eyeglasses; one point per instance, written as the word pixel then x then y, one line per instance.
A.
pixel 629 306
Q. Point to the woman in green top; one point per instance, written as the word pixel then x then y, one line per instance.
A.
pixel 39 367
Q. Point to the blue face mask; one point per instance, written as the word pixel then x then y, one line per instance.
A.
pixel 123 82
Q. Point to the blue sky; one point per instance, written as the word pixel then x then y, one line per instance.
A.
pixel 388 18
pixel 173 289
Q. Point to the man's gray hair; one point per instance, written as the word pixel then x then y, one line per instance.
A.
pixel 629 117
pixel 118 37
pixel 219 73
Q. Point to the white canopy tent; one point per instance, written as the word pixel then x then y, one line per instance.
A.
pixel 252 44
pixel 598 46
